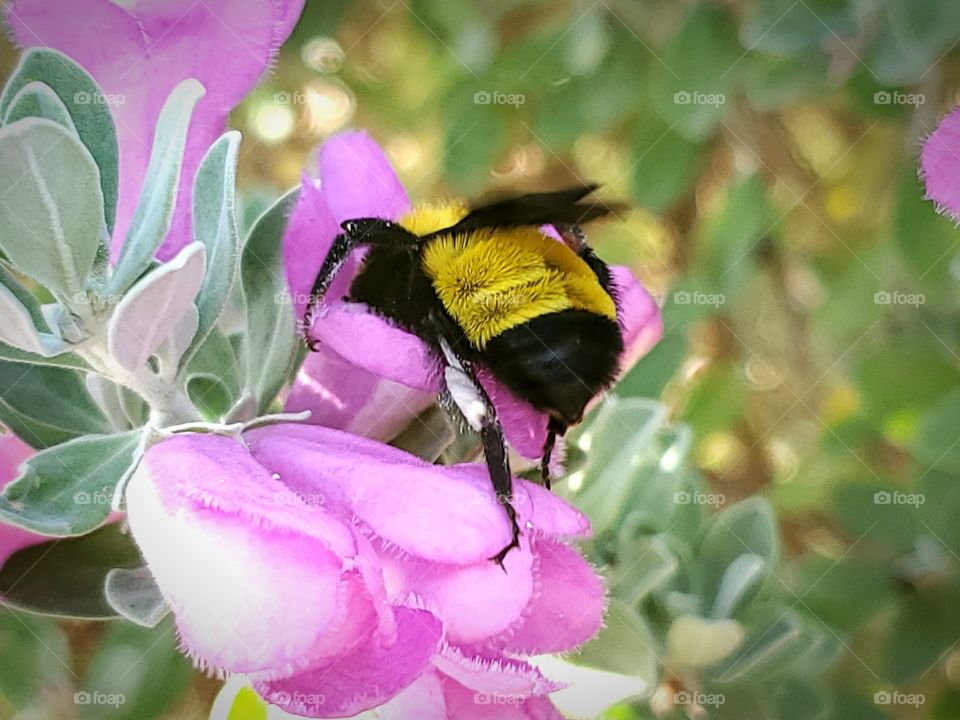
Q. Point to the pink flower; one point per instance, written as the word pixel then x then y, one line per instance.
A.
pixel 370 376
pixel 13 451
pixel 339 573
pixel 138 52
pixel 940 165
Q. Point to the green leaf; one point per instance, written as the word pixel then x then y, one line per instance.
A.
pixel 149 313
pixel 693 87
pixel 769 647
pixel 740 582
pixel 717 399
pixel 650 375
pixel 665 165
pixel 19 311
pixel 142 666
pixel 925 627
pixel 52 207
pixel 748 527
pixel 35 659
pixel 473 141
pixel 158 195
pixel 271 338
pixel 216 358
pixel 827 586
pixel 792 29
pixel 38 100
pixel 642 567
pixel 210 395
pixel 772 82
pixel 215 225
pixel 893 60
pixel 66 576
pixel 67 361
pixel 84 100
pixel 68 489
pixel 47 405
pixel 886 388
pixel 624 645
pixel 925 27
pixel 729 240
pixel 915 217
pixel 612 461
pixel 936 443
pixel 134 594
pixel 26 298
pixel 798 699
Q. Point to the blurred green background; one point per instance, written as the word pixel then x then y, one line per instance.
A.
pixel 812 328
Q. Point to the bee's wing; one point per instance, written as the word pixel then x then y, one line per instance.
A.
pixel 562 207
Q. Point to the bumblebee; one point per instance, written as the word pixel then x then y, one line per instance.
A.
pixel 485 287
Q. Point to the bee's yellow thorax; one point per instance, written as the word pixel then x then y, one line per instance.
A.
pixel 491 280
pixel 430 217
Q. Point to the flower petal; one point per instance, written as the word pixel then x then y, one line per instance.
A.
pixel 306 241
pixel 154 44
pixel 940 165
pixel 639 317
pixel 358 181
pixel 363 678
pixel 339 394
pixel 474 601
pixel 567 606
pixel 252 573
pixel 524 427
pixel 404 500
pixel 422 700
pixel 373 343
pixel 463 702
pixel 540 512
pixel 492 673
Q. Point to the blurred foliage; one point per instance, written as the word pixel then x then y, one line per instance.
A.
pixel 809 372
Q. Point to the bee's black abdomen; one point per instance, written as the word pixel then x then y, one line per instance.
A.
pixel 557 362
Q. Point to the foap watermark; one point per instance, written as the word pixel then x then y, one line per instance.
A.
pixel 83 697
pixel 696 97
pixel 285 297
pixel 98 300
pixel 684 297
pixel 692 697
pixel 299 699
pixel 884 497
pixel 895 297
pixel 886 697
pixel 895 97
pixel 82 97
pixel 296 498
pixel 485 97
pixel 290 98
pixel 482 698
pixel 683 497
pixel 98 497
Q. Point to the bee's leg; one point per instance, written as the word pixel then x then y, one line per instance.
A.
pixel 340 250
pixel 474 404
pixel 555 428
pixel 495 453
pixel 356 233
